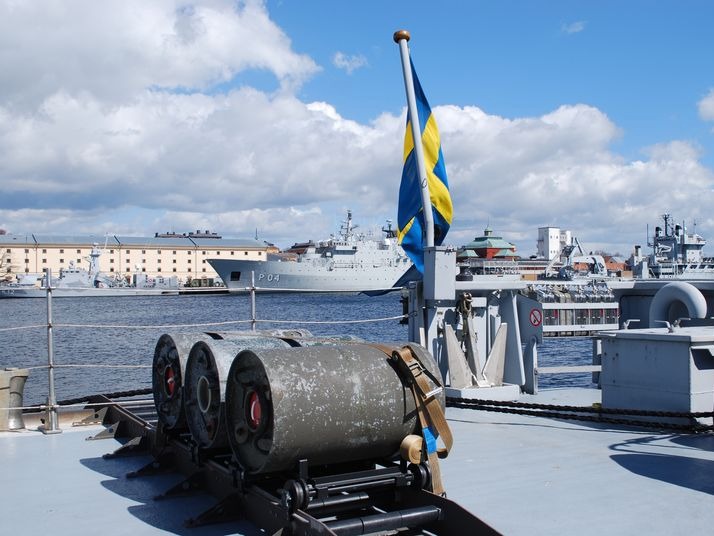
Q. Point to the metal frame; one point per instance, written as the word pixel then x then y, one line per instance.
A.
pixel 359 498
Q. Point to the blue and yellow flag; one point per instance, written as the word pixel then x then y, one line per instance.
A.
pixel 410 218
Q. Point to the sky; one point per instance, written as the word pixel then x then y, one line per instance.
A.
pixel 130 117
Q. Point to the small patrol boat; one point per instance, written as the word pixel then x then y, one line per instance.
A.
pixel 76 282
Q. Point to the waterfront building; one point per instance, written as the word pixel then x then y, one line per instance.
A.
pixel 182 255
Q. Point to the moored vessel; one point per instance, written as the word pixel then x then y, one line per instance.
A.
pixel 676 254
pixel 75 282
pixel 350 261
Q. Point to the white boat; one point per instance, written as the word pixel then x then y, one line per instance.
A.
pixel 351 261
pixel 76 282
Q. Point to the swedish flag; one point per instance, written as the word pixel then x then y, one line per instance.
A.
pixel 410 218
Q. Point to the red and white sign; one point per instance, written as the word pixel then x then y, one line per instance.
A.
pixel 536 317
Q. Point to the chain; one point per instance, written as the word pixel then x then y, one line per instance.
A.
pixel 118 394
pixel 556 412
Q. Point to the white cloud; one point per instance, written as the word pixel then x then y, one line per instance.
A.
pixel 573 27
pixel 706 106
pixel 112 50
pixel 557 169
pixel 349 63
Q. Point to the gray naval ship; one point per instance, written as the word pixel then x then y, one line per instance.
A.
pixel 75 281
pixel 351 261
pixel 676 254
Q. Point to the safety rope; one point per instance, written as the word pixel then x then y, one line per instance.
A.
pixel 585 413
pixel 77 365
pixel 20 328
pixel 226 323
pixel 156 326
pixel 364 321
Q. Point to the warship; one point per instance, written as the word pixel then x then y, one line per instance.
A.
pixel 350 261
pixel 676 254
pixel 75 282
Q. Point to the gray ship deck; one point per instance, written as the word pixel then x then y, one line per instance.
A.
pixel 521 474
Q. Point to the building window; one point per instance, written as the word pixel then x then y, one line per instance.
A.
pixel 245 253
pixel 11 251
pixel 111 251
pixel 128 269
pixel 189 261
pixel 61 251
pixel 79 260
pixel 143 252
pixel 189 270
pixel 127 252
pixel 174 252
pixel 27 251
pixel 143 269
pixel 158 251
pixel 27 270
pixel 204 262
pixel 218 252
pixel 27 261
pixel 158 269
pixel 175 261
pixel 111 269
pixel 128 261
pixel 260 254
pixel 79 252
pixel 61 261
pixel 158 261
pixel 233 252
pixel 111 261
pixel 203 253
pixel 44 251
pixel 204 270
pixel 44 261
pixel 174 269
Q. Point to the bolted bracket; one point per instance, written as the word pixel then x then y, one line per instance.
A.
pixel 96 417
pixel 108 433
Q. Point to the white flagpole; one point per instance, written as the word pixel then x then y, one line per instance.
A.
pixel 401 38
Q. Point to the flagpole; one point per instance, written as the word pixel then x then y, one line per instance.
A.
pixel 401 38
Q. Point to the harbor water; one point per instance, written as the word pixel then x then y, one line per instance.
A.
pixel 104 345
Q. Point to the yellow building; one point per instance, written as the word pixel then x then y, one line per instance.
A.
pixel 182 255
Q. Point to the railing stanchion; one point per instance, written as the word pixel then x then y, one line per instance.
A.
pixel 51 425
pixel 252 301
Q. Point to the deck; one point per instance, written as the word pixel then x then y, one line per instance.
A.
pixel 523 475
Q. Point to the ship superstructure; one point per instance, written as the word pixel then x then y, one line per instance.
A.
pixel 676 254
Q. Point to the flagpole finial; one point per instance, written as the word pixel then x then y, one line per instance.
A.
pixel 401 34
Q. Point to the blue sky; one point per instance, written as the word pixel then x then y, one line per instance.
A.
pixel 646 64
pixel 131 117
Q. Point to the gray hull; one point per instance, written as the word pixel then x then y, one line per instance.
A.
pixel 83 292
pixel 305 276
